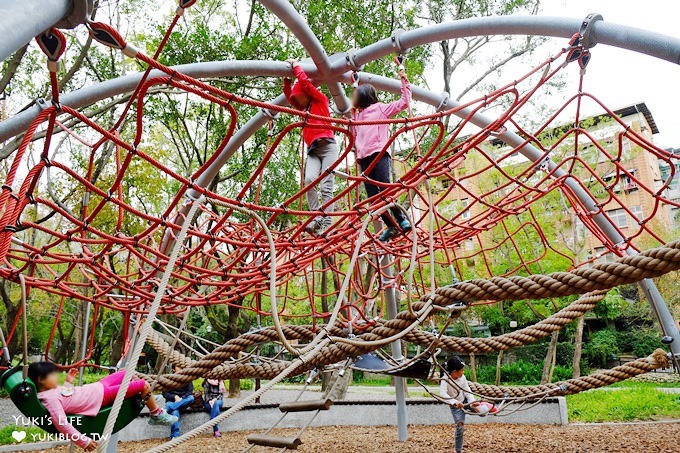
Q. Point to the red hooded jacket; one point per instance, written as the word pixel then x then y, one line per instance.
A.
pixel 318 105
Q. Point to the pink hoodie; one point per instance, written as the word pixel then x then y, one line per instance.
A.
pixel 370 139
pixel 68 399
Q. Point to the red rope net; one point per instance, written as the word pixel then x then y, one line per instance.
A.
pixel 478 206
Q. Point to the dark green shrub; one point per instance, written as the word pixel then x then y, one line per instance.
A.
pixel 644 341
pixel 601 346
pixel 521 373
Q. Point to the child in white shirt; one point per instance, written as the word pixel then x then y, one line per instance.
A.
pixel 456 392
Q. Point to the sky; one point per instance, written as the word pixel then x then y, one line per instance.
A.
pixel 619 77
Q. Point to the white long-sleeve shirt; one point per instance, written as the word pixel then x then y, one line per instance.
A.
pixel 453 393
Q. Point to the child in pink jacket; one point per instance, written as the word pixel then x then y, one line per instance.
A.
pixel 87 400
pixel 369 141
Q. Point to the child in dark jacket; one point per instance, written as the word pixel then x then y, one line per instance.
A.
pixel 178 400
pixel 213 399
pixel 322 150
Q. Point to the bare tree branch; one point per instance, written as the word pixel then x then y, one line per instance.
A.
pixel 12 66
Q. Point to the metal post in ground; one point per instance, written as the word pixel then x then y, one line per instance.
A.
pixel 668 326
pixel 392 308
pixel 86 333
pixel 112 446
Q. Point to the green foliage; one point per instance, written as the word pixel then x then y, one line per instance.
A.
pixel 520 373
pixel 611 306
pixel 374 381
pixel 644 385
pixel 627 404
pixel 601 346
pixel 640 341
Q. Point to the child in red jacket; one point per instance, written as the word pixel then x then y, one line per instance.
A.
pixel 322 150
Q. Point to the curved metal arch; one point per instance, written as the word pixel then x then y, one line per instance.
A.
pixel 299 27
pixel 625 37
pixel 642 41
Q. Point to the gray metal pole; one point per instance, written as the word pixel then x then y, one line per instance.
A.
pixel 611 34
pixel 634 39
pixel 83 347
pixel 17 124
pixel 668 326
pixel 86 333
pixel 299 27
pixel 112 446
pixel 5 349
pixel 21 21
pixel 392 307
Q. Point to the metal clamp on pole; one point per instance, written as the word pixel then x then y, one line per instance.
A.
pixel 269 114
pixel 443 103
pixel 396 42
pixel 587 40
pixel 79 14
pixel 350 59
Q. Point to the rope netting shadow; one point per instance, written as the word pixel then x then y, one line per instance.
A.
pixel 470 196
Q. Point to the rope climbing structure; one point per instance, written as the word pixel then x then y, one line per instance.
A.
pixel 487 190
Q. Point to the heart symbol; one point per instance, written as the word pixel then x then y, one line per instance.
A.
pixel 19 435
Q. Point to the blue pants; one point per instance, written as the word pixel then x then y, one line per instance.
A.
pixel 214 411
pixel 173 408
pixel 459 420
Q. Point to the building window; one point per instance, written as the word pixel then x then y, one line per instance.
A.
pixel 466 212
pixel 629 184
pixel 675 182
pixel 625 148
pixel 618 216
pixel 637 213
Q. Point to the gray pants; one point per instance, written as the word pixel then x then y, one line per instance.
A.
pixel 318 160
pixel 459 420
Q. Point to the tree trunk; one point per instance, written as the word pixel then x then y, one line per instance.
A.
pixel 232 332
pixel 234 388
pixel 550 358
pixel 578 347
pixel 553 363
pixel 336 385
pixel 473 359
pixel 324 286
pixel 117 346
pixel 11 311
pixel 79 329
pixel 499 364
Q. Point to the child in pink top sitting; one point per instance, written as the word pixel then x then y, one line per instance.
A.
pixel 87 399
pixel 369 141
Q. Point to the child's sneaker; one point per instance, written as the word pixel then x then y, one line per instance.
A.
pixel 162 418
pixel 324 224
pixel 313 227
pixel 405 226
pixel 388 234
pixel 217 434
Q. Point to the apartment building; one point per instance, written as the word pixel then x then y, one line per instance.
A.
pixel 626 191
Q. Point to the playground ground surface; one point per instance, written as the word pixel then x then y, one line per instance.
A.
pixel 642 437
